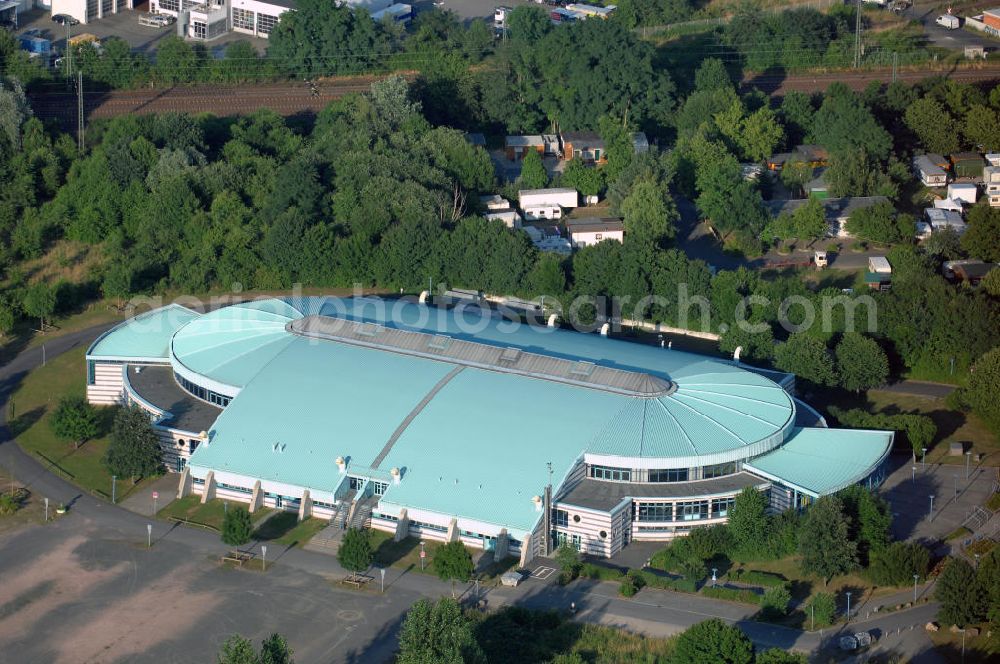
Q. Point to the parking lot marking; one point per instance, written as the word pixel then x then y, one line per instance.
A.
pixel 543 572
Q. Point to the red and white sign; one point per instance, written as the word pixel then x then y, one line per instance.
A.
pixel 156 494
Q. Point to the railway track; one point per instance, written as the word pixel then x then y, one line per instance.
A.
pixel 291 98
pixel 779 84
pixel 284 98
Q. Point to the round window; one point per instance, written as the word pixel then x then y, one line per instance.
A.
pixel 576 518
pixel 604 534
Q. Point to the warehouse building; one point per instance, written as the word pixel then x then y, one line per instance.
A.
pixel 458 424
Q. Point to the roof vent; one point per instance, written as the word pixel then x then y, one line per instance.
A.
pixel 368 329
pixel 510 355
pixel 582 369
pixel 439 342
pixel 275 447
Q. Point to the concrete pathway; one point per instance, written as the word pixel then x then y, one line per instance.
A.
pixel 143 502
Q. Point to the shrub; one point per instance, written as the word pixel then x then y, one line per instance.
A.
pixel 708 542
pixel 731 594
pixel 757 578
pixel 568 559
pixel 822 608
pixel 774 602
pixel 632 583
pixel 74 419
pixel 8 505
pixel 896 565
pixel 599 572
pixel 693 568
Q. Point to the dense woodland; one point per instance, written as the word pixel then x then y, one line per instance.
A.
pixel 382 189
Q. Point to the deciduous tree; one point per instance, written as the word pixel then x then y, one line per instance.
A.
pixel 861 362
pixel 355 552
pixel 438 632
pixel 453 561
pixel 823 540
pixel 134 450
pixel 713 641
pixel 237 526
pixel 961 597
pixel 807 357
pixel 75 419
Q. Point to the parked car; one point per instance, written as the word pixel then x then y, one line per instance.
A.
pixel 851 642
pixel 156 20
pixel 948 21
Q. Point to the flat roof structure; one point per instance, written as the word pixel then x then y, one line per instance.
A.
pixel 594 494
pixel 146 336
pixel 156 385
pixel 824 461
pixel 594 225
pixel 454 413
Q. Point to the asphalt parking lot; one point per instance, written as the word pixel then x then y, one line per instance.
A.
pixel 74 591
pixel 126 26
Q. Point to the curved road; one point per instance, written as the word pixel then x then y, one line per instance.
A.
pixel 110 529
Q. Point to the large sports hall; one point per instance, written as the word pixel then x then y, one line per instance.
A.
pixel 459 423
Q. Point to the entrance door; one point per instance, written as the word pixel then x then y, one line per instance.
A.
pixel 277 501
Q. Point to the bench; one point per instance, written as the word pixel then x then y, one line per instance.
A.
pixel 237 557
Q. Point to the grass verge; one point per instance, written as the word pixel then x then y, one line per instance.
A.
pixel 29 411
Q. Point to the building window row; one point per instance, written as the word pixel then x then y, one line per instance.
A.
pixel 233 487
pixel 669 475
pixel 688 510
pixel 661 475
pixel 219 400
pixel 169 5
pixel 611 474
pixel 428 526
pixel 718 470
pixel 560 518
pixel 266 23
pixel 243 19
pixel 384 517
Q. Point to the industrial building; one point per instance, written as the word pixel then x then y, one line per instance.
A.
pixel 460 424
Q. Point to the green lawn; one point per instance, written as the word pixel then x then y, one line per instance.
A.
pixel 952 425
pixel 191 509
pixel 405 554
pixel 29 410
pixel 284 528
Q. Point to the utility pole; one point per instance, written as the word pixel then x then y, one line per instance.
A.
pixel 857 37
pixel 79 111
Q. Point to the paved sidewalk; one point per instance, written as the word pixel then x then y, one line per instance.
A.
pixel 142 501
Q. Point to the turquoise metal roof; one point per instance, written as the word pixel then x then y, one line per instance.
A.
pixel 321 401
pixel 232 344
pixel 821 461
pixel 470 441
pixel 144 337
pixel 479 449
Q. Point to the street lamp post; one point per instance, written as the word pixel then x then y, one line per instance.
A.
pixel 149 535
pixel 915 577
pixel 923 458
pixel 422 555
pixel 714 570
pixel 263 556
pixel 381 573
pixel 114 486
pixel 848 606
pixel 968 455
pixel 812 611
pixel 46 509
pixel 913 474
pixel 930 515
